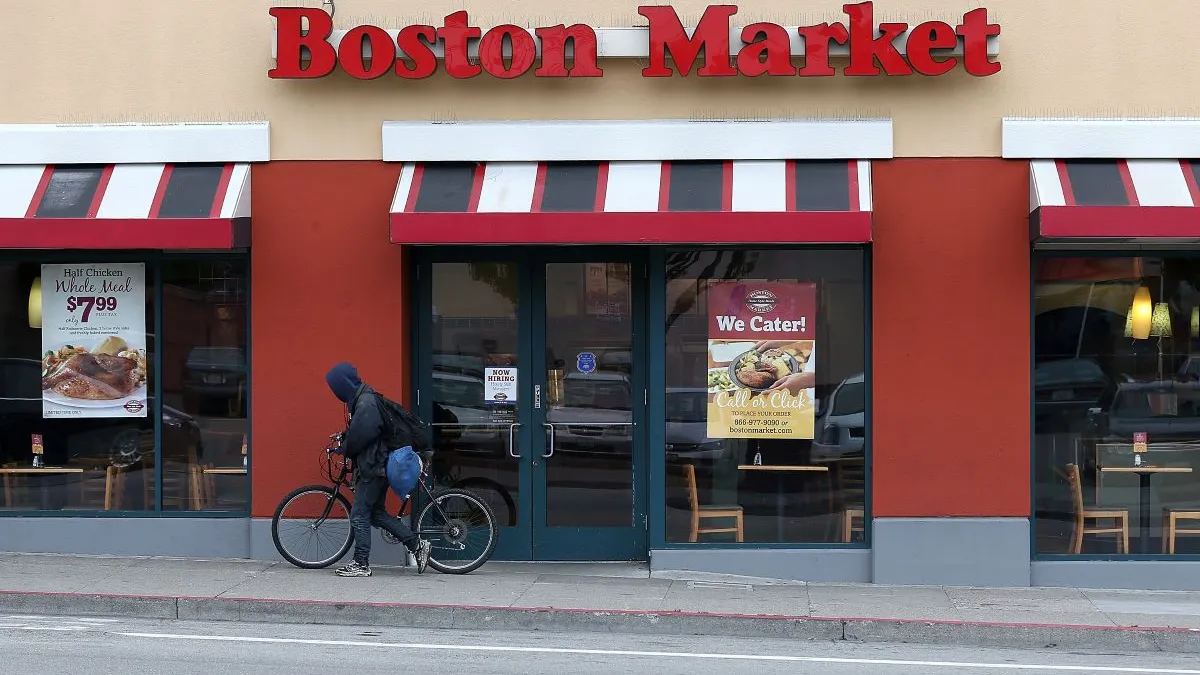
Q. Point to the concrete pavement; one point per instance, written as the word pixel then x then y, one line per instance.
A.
pixel 138 646
pixel 609 598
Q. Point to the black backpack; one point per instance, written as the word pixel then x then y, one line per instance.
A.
pixel 402 427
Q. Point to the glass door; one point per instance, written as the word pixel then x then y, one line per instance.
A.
pixel 588 328
pixel 531 369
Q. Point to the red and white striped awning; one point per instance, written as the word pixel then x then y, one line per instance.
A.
pixel 125 206
pixel 779 201
pixel 1114 201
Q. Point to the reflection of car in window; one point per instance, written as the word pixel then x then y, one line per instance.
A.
pixel 1165 410
pixel 215 371
pixel 840 427
pixel 687 428
pixel 95 441
pixel 458 400
pixel 594 414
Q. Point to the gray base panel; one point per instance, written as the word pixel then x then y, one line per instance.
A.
pixel 951 551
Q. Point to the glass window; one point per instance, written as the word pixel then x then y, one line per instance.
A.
pixel 76 392
pixel 1116 404
pixel 765 418
pixel 204 384
pixel 475 331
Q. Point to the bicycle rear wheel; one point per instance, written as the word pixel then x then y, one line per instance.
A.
pixel 311 527
pixel 461 529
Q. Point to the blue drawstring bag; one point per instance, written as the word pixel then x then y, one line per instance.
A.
pixel 403 470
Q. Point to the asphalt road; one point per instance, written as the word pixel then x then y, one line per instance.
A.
pixel 97 646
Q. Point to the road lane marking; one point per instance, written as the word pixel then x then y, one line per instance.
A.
pixel 672 655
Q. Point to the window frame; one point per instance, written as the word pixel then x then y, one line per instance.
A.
pixel 656 405
pixel 1034 554
pixel 154 261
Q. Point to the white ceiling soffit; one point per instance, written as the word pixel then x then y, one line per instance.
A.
pixel 635 140
pixel 1165 138
pixel 134 143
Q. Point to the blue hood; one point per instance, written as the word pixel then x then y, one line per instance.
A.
pixel 343 381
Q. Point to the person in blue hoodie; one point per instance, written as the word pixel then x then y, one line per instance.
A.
pixel 364 443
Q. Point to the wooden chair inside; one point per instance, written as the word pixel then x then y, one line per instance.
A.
pixel 1171 529
pixel 852 488
pixel 11 484
pixel 713 512
pixel 1120 517
pixel 181 486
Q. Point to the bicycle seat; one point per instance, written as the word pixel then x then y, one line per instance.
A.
pixel 426 457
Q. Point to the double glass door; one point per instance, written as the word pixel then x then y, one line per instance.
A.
pixel 531 367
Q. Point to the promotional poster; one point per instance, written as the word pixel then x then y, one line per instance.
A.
pixel 94 361
pixel 761 365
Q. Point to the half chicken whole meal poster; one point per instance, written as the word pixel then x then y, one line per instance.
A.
pixel 94 357
pixel 761 361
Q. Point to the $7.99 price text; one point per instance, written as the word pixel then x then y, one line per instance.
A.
pixel 89 303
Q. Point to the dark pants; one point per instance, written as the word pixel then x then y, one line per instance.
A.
pixel 368 510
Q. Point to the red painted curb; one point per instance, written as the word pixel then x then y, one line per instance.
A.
pixel 619 612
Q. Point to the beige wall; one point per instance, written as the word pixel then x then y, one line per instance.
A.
pixel 206 60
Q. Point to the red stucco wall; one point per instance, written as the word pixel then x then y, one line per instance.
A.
pixel 951 338
pixel 326 286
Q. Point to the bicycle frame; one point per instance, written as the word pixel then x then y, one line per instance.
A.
pixel 343 480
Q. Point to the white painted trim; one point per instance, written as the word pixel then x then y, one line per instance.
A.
pixel 633 42
pixel 1100 138
pixel 237 195
pixel 635 140
pixel 134 143
pixel 864 186
pixel 1159 182
pixel 760 186
pixel 1045 187
pixel 508 187
pixel 633 187
pixel 18 185
pixel 403 187
pixel 130 192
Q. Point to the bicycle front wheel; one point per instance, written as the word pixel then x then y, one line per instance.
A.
pixel 311 527
pixel 461 529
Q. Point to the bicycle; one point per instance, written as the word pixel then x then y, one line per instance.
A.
pixel 327 519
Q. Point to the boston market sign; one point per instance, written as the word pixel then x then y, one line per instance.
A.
pixel 307 47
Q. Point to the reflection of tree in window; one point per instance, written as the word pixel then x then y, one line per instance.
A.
pixel 739 264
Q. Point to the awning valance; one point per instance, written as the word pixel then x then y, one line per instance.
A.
pixel 1114 201
pixel 125 206
pixel 759 201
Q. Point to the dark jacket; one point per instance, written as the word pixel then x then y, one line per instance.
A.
pixel 364 437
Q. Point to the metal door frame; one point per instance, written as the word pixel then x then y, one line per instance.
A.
pixel 532 539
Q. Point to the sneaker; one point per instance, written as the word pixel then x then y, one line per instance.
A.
pixel 354 569
pixel 422 554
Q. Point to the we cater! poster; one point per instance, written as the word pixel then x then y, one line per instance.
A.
pixel 761 363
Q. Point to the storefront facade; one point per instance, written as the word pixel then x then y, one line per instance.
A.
pixel 936 254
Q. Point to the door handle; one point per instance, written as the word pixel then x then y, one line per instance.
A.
pixel 550 428
pixel 512 441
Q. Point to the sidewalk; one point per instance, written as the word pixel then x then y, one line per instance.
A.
pixel 616 598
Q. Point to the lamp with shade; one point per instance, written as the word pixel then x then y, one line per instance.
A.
pixel 1160 321
pixel 1140 319
pixel 35 303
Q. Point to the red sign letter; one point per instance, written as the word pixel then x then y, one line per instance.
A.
pixel 772 55
pixel 865 48
pixel 491 51
pixel 454 34
pixel 350 52
pixel 554 51
pixel 975 31
pixel 667 35
pixel 423 59
pixel 927 37
pixel 290 38
pixel 816 48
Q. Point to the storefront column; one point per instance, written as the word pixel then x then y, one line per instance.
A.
pixel 325 289
pixel 951 391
